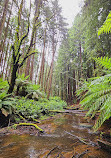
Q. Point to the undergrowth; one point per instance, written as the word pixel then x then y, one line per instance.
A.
pixel 31 108
pixel 24 107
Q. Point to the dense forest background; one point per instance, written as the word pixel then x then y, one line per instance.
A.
pixel 36 45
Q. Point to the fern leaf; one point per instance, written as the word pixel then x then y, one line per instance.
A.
pixel 106 27
pixel 104 62
pixel 100 120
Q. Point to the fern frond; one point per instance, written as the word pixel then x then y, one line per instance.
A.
pixel 105 113
pixel 97 105
pixel 100 120
pixel 3 84
pixel 104 62
pixel 98 98
pixel 98 94
pixel 106 27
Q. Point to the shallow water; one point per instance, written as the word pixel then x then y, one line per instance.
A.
pixel 56 142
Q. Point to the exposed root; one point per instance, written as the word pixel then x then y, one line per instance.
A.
pixel 28 124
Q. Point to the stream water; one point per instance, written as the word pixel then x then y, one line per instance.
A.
pixel 58 141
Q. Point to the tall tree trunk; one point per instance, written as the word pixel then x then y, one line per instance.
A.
pixel 60 86
pixel 80 60
pixel 74 85
pixel 32 68
pixel 69 88
pixel 65 87
pixel 5 59
pixel 41 76
pixel 27 69
pixel 3 17
pixel 2 44
pixel 50 81
pixel 51 69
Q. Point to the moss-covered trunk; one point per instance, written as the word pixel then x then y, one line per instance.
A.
pixel 13 78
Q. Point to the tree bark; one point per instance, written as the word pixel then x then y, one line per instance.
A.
pixel 3 17
pixel 51 70
pixel 80 59
pixel 74 85
pixel 13 78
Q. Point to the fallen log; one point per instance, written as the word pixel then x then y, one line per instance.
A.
pixel 57 111
pixel 28 124
pixel 67 111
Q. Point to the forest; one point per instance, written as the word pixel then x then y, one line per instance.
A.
pixel 47 67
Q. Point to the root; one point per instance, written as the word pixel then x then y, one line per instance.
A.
pixel 28 124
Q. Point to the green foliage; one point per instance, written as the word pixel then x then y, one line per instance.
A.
pixel 104 62
pixel 22 80
pixel 97 92
pixel 26 87
pixel 22 77
pixel 2 95
pixel 97 98
pixel 30 108
pixel 3 85
pixel 106 27
pixel 8 105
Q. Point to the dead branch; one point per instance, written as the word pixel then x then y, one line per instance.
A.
pixel 80 139
pixel 51 151
pixel 83 153
pixel 58 155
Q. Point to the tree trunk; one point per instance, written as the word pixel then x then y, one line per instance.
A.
pixel 65 87
pixel 32 68
pixel 80 60
pixel 69 88
pixel 3 17
pixel 74 85
pixel 13 78
pixel 27 70
pixel 51 70
pixel 50 81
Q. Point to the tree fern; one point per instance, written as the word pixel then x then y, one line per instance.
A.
pixel 106 27
pixel 98 99
pixel 97 92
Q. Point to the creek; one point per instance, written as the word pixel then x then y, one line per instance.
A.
pixel 59 140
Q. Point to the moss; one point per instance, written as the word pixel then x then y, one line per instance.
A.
pixel 28 124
